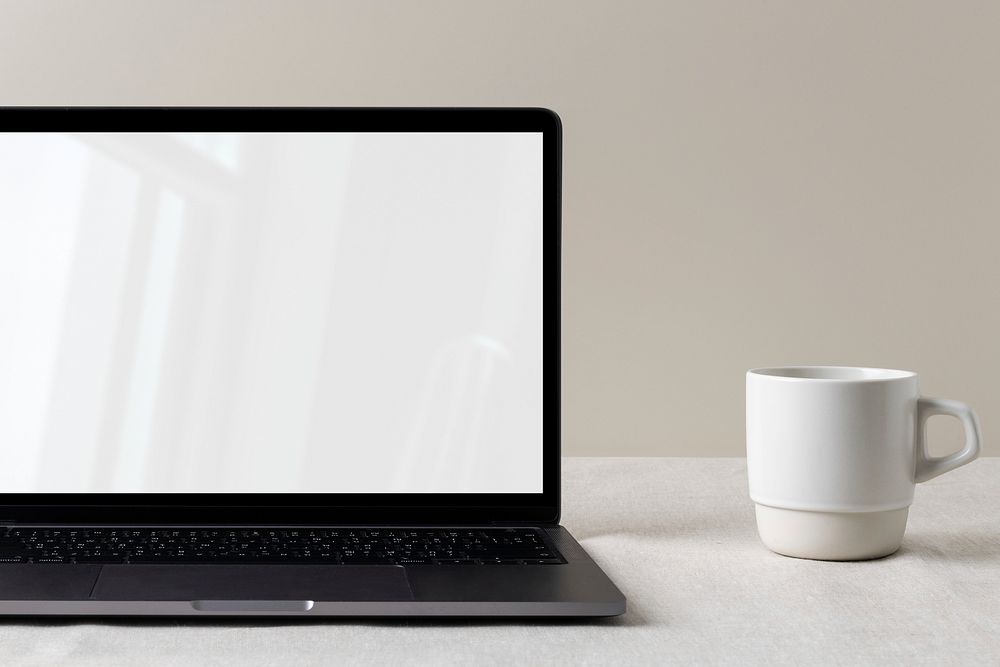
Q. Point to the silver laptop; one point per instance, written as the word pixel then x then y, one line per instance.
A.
pixel 283 362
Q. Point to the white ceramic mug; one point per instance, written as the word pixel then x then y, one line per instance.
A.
pixel 833 454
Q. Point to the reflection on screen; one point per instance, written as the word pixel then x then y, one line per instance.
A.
pixel 331 313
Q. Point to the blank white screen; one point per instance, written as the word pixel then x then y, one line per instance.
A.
pixel 271 312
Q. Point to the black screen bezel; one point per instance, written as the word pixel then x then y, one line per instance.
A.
pixel 312 508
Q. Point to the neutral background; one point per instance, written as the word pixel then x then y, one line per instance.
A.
pixel 746 183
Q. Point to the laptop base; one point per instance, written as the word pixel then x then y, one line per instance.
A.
pixel 577 587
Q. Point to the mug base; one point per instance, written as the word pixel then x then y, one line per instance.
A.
pixel 831 535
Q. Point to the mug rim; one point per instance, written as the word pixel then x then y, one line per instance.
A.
pixel 843 374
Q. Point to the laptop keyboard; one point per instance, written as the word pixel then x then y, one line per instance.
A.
pixel 354 546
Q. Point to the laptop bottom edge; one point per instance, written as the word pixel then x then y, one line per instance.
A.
pixel 307 608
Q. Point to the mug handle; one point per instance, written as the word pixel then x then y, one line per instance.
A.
pixel 929 467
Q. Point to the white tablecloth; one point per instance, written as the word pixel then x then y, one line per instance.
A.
pixel 677 536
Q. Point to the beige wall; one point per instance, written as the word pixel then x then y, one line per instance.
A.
pixel 746 183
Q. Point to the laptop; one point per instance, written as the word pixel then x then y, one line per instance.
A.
pixel 283 362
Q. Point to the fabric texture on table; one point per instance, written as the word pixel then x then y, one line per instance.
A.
pixel 677 535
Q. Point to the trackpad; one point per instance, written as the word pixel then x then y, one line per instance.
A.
pixel 252 582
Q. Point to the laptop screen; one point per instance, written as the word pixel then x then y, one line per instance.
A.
pixel 271 312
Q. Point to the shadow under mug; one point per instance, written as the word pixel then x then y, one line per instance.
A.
pixel 833 454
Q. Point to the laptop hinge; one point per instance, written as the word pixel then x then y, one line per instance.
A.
pixel 515 524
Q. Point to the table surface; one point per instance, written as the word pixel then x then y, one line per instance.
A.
pixel 677 535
